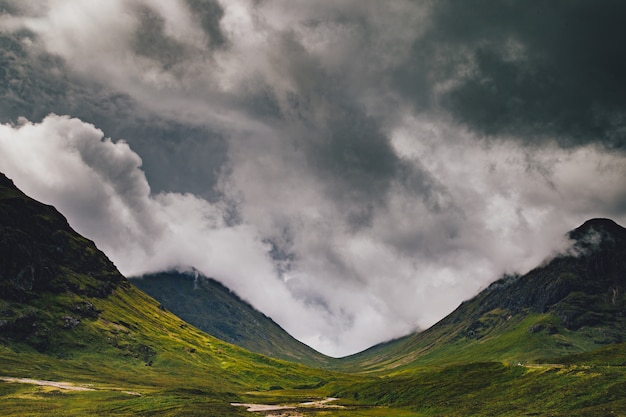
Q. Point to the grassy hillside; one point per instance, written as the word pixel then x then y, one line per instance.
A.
pixel 573 304
pixel 213 308
pixel 134 346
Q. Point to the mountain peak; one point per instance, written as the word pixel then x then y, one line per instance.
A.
pixel 6 182
pixel 596 234
pixel 599 225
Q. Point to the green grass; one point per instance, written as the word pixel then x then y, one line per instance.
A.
pixel 22 400
pixel 495 389
pixel 184 371
pixel 135 346
pixel 494 336
pixel 482 389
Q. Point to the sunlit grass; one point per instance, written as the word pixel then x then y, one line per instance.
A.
pixel 182 371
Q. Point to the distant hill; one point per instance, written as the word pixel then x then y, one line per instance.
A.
pixel 574 303
pixel 213 308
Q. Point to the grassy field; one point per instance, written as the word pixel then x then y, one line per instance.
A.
pixel 481 389
pixel 168 389
pixel 494 389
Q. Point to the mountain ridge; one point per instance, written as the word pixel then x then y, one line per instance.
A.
pixel 549 302
pixel 572 303
pixel 66 314
pixel 214 308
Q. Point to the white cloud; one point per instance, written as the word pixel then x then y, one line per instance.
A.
pixel 344 290
pixel 384 214
pixel 99 186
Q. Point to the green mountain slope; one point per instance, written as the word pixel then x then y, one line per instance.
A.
pixel 210 306
pixel 574 303
pixel 66 314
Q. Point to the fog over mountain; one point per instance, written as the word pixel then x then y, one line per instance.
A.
pixel 353 169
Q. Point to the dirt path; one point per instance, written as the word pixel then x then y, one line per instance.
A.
pixel 62 385
pixel 320 403
pixel 254 408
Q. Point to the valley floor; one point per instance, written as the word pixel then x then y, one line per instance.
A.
pixel 469 390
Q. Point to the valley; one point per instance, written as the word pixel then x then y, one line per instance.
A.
pixel 77 338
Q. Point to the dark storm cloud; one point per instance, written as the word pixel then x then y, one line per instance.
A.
pixel 347 149
pixel 151 41
pixel 34 83
pixel 28 86
pixel 184 158
pixel 355 160
pixel 344 147
pixel 530 69
pixel 209 13
pixel 8 7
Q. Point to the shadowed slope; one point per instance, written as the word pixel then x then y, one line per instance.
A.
pixel 213 308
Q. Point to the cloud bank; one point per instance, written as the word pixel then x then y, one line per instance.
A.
pixel 354 169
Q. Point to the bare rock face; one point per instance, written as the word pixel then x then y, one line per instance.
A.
pixel 70 322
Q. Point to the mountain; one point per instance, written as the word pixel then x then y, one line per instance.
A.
pixel 210 306
pixel 67 314
pixel 76 339
pixel 574 303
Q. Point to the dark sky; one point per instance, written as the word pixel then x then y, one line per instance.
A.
pixel 355 169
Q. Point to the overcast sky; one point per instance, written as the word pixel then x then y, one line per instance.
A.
pixel 355 169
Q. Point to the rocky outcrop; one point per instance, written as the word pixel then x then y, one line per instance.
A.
pixel 583 286
pixel 34 240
